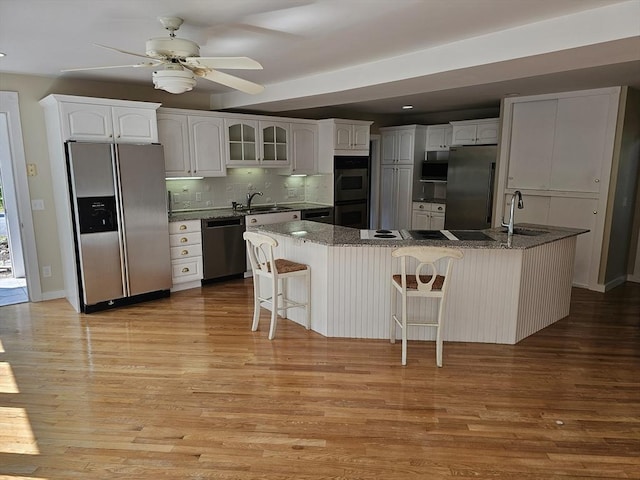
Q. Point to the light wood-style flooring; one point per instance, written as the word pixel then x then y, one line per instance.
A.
pixel 180 388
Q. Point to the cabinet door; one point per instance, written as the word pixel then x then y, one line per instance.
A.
pixel 304 148
pixel 134 125
pixel 342 136
pixel 581 130
pixel 405 147
pixel 531 150
pixel 173 134
pixel 86 122
pixel 421 220
pixel 242 142
pixel 464 134
pixel 389 148
pixel 274 145
pixel 207 151
pixel 487 133
pixel 360 137
pixel 437 221
pixel 403 197
pixel 578 213
pixel 388 196
pixel 438 137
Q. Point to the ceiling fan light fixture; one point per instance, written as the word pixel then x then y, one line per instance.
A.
pixel 174 81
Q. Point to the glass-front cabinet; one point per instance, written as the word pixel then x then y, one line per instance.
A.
pixel 253 143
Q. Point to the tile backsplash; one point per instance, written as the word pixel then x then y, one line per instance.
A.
pixel 220 192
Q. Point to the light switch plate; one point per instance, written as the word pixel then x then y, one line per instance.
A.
pixel 37 204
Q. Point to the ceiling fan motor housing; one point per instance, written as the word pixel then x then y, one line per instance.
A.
pixel 163 47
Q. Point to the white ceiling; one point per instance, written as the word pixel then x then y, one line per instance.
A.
pixel 365 55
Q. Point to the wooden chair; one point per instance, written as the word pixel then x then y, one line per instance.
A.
pixel 260 249
pixel 428 281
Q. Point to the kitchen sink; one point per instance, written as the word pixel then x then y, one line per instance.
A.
pixel 266 209
pixel 529 232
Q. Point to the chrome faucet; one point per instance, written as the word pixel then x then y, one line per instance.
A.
pixel 509 225
pixel 250 197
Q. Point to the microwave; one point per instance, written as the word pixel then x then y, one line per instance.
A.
pixel 435 167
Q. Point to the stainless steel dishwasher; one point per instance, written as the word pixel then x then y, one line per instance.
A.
pixel 223 248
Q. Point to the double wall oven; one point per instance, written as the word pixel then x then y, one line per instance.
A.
pixel 351 191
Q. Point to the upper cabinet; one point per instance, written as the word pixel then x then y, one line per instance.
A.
pixel 557 144
pixel 94 122
pixel 475 132
pixel 439 137
pixel 257 143
pixel 193 144
pixel 304 149
pixel 403 145
pixel 342 137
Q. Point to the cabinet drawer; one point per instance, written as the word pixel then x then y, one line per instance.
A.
pixel 184 227
pixel 429 207
pixel 177 240
pixel 269 218
pixel 186 251
pixel 186 270
pixel 438 207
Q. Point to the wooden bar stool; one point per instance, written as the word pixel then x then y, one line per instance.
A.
pixel 428 281
pixel 260 249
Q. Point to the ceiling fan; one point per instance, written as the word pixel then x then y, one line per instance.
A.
pixel 181 62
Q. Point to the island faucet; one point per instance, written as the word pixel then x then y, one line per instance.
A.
pixel 509 225
pixel 250 197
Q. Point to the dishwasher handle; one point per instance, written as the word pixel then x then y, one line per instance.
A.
pixel 222 222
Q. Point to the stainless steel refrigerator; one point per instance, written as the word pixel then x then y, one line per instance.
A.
pixel 118 200
pixel 470 179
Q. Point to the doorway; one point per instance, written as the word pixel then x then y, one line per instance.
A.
pixel 19 279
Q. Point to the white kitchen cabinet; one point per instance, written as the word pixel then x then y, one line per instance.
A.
pixel 475 132
pixel 124 122
pixel 402 145
pixel 557 144
pixel 395 196
pixel 439 137
pixel 427 216
pixel 257 143
pixel 343 137
pixel 269 218
pixel 193 144
pixel 304 150
pixel 185 241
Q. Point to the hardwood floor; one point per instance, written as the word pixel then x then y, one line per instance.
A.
pixel 181 388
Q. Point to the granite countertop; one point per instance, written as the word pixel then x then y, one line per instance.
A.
pixel 184 215
pixel 337 236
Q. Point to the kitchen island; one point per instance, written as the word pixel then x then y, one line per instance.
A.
pixel 500 292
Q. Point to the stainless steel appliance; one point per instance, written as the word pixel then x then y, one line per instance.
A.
pixel 470 182
pixel 223 248
pixel 321 215
pixel 120 221
pixel 351 191
pixel 434 167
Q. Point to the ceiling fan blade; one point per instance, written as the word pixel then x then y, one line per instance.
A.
pixel 121 51
pixel 238 63
pixel 234 82
pixel 147 64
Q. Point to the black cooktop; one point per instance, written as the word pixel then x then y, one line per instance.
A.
pixel 427 235
pixel 467 235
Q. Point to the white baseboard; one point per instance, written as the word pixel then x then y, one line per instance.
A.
pixel 633 278
pixel 615 283
pixel 51 295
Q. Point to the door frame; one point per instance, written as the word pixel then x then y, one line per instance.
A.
pixel 18 188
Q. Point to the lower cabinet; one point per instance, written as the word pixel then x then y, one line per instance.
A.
pixel 185 240
pixel 427 216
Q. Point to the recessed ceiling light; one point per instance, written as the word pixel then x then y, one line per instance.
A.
pixel 407 107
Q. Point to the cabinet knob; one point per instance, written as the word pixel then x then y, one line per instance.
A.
pixel 421 207
pixel 184 240
pixel 597 180
pixel 183 227
pixel 185 270
pixel 595 212
pixel 253 220
pixel 295 216
pixel 440 208
pixel 184 252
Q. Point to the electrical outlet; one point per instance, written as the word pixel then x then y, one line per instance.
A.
pixel 37 204
pixel 208 203
pixel 292 192
pixel 32 170
pixel 198 196
pixel 176 197
pixel 46 270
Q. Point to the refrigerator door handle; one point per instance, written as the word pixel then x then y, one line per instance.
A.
pixel 122 241
pixel 492 174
